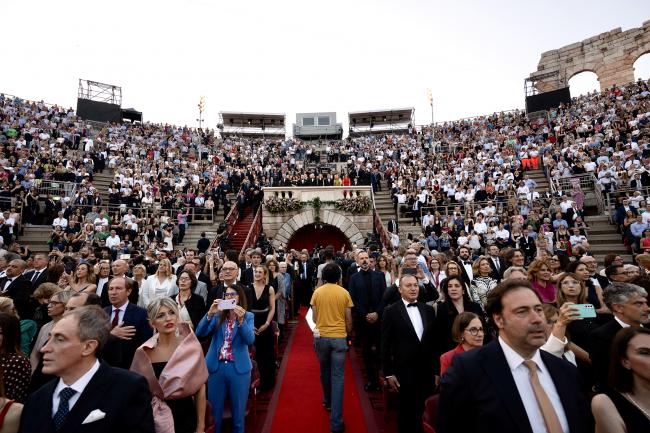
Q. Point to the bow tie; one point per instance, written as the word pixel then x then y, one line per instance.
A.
pixel 467 263
pixel 412 304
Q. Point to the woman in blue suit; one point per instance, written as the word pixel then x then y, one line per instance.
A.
pixel 229 364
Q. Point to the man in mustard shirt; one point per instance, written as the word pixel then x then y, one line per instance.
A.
pixel 331 307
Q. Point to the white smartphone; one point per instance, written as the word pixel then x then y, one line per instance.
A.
pixel 227 304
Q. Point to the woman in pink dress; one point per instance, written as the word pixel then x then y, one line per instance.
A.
pixel 539 274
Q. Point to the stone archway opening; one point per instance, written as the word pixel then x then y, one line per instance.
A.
pixel 583 82
pixel 323 235
pixel 642 67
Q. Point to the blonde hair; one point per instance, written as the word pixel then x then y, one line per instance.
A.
pixel 169 265
pixel 158 304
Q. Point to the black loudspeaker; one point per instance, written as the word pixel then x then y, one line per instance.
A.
pixel 547 100
pixel 98 111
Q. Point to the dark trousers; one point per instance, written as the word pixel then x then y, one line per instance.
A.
pixel 370 336
pixel 410 406
pixel 302 294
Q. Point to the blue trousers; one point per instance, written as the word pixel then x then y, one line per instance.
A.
pixel 227 382
pixel 331 356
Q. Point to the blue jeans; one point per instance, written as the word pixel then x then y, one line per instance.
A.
pixel 331 356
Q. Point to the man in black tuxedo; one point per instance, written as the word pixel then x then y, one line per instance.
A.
pixel 629 304
pixel 38 275
pixel 367 289
pixel 408 353
pixel 497 263
pixel 129 323
pixel 17 286
pixel 464 260
pixel 102 279
pixel 527 245
pixel 500 381
pixel 88 396
pixel 304 281
pixel 247 273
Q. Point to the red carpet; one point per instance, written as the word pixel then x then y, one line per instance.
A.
pixel 299 407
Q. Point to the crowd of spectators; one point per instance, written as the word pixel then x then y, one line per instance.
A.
pixel 484 221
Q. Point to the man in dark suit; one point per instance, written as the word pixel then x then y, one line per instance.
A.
pixel 247 273
pixel 393 226
pixel 497 263
pixel 500 381
pixel 128 322
pixel 527 245
pixel 38 275
pixel 629 304
pixel 18 287
pixel 464 260
pixel 88 396
pixel 408 353
pixel 203 243
pixel 367 289
pixel 119 268
pixel 102 279
pixel 304 281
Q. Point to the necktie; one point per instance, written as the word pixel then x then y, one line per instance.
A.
pixel 412 304
pixel 116 319
pixel 496 264
pixel 36 275
pixel 63 409
pixel 548 413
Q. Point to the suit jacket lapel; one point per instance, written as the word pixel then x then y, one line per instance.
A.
pixel 569 404
pixel 496 367
pixel 88 401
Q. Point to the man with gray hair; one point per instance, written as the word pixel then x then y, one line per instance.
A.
pixel 85 384
pixel 629 304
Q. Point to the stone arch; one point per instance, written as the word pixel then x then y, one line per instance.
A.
pixel 331 217
pixel 611 55
pixel 575 87
pixel 645 74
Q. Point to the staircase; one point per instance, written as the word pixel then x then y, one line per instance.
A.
pixel 36 237
pixel 101 181
pixel 386 211
pixel 240 230
pixel 193 233
pixel 542 181
pixel 603 239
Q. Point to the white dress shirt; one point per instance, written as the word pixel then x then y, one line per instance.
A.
pixel 78 386
pixel 416 319
pixel 101 286
pixel 521 375
pixel 122 310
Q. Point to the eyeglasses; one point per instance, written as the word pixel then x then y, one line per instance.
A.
pixel 228 269
pixel 230 295
pixel 184 278
pixel 475 331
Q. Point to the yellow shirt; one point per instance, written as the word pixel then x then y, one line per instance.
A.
pixel 330 301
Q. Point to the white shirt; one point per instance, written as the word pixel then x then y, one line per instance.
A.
pixel 416 319
pixel 121 310
pixel 620 322
pixel 101 285
pixel 78 386
pixel 521 375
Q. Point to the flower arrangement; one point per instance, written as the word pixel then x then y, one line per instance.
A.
pixel 282 205
pixel 354 205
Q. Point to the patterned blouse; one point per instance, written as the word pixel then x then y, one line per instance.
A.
pixel 225 354
pixel 17 372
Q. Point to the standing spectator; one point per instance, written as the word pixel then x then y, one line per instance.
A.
pixel 629 304
pixel 228 360
pixel 202 244
pixel 621 409
pixel 15 368
pixel 71 355
pixel 504 374
pixel 367 289
pixel 178 395
pixel 332 313
pixel 407 348
pixel 304 282
pixel 468 332
pixel 128 323
pixel 263 309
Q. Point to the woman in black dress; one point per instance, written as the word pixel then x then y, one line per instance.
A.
pixel 456 301
pixel 263 308
pixel 625 408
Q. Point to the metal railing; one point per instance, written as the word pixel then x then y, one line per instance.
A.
pixel 564 184
pixel 610 198
pixel 600 197
pixel 196 215
pixel 379 226
pixel 58 189
pixel 253 232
